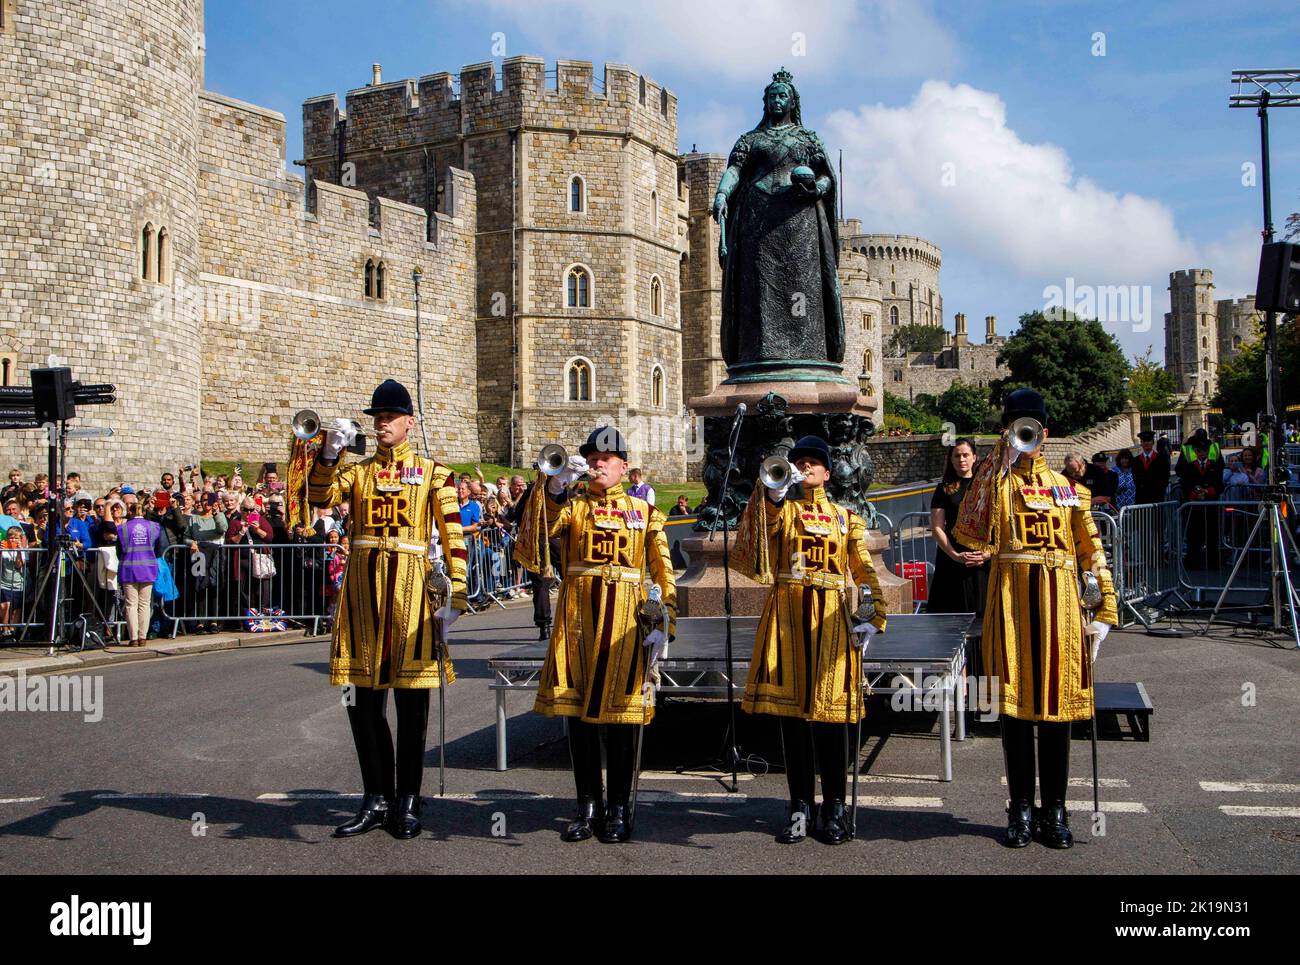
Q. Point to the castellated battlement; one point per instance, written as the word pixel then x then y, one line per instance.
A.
pixel 246 143
pixel 1200 276
pixel 320 284
pixel 438 107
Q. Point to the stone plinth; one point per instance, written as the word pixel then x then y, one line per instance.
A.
pixel 801 397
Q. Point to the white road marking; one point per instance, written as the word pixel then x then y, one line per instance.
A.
pixel 899 779
pixel 1243 811
pixel 1250 786
pixel 893 801
pixel 18 800
pixel 1087 781
pixel 146 795
pixel 304 796
pixel 693 776
pixel 1109 807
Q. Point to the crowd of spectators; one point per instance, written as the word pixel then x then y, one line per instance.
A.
pixel 281 573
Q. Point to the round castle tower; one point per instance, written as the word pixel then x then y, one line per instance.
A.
pixel 100 202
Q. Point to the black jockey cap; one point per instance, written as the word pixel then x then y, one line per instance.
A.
pixel 1023 403
pixel 815 448
pixel 390 396
pixel 604 439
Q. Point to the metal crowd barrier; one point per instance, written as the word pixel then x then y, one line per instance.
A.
pixel 25 606
pixel 912 549
pixel 492 574
pixel 1214 536
pixel 1145 564
pixel 215 585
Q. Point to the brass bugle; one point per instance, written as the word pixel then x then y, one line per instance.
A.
pixel 774 473
pixel 1025 434
pixel 307 424
pixel 552 459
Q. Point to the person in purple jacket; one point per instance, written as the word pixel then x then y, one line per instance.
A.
pixel 140 543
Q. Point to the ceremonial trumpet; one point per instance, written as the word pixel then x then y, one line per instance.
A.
pixel 775 471
pixel 552 459
pixel 1025 434
pixel 307 424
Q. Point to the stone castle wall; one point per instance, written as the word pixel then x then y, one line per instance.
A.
pixel 97 140
pixel 287 323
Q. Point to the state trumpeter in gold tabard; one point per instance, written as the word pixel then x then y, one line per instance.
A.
pixel 602 649
pixel 807 664
pixel 1038 643
pixel 387 633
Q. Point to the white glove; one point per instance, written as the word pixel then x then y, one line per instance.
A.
pixel 561 481
pixel 657 641
pixel 865 631
pixel 336 440
pixel 446 616
pixel 795 477
pixel 1098 632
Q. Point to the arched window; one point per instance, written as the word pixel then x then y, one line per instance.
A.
pixel 893 288
pixel 657 387
pixel 579 287
pixel 654 208
pixel 147 252
pixel 577 195
pixel 379 280
pixel 643 90
pixel 656 297
pixel 868 361
pixel 1205 342
pixel 370 278
pixel 868 321
pixel 663 101
pixel 164 254
pixel 893 314
pixel 579 378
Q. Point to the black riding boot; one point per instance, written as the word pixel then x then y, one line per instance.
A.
pixel 1018 751
pixel 374 744
pixel 1053 826
pixel 830 741
pixel 620 748
pixel 373 814
pixel 801 778
pixel 584 748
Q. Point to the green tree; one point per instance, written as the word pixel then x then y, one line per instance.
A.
pixel 902 414
pixel 1075 363
pixel 1151 386
pixel 1241 379
pixel 914 338
pixel 967 407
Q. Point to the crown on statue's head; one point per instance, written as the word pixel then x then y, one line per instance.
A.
pixel 783 76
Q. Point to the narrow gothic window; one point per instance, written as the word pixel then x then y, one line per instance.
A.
pixel 370 278
pixel 146 253
pixel 657 387
pixel 579 284
pixel 656 297
pixel 579 381
pixel 379 280
pixel 576 199
pixel 164 254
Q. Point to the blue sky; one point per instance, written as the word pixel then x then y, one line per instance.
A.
pixel 1046 144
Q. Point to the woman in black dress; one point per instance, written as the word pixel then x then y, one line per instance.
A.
pixel 960 575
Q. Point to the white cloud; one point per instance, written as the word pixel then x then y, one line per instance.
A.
pixel 948 167
pixel 740 40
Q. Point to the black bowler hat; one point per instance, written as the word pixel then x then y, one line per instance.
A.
pixel 604 439
pixel 390 396
pixel 814 447
pixel 1023 403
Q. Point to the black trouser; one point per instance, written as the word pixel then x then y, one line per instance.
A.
pixel 374 741
pixel 1053 759
pixel 620 748
pixel 812 747
pixel 541 598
